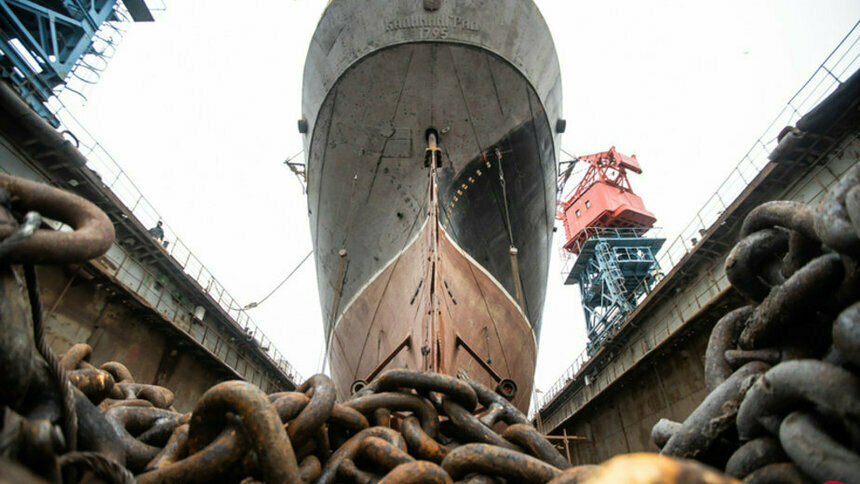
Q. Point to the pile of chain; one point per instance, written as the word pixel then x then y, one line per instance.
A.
pixel 405 427
pixel 65 419
pixel 782 372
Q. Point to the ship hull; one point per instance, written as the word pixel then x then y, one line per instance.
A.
pixel 476 329
pixel 375 84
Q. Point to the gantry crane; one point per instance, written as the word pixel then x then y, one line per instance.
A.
pixel 607 230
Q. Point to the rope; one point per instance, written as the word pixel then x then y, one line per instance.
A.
pixel 32 221
pixel 70 417
pixel 100 464
pixel 505 198
pixel 261 301
pixel 515 267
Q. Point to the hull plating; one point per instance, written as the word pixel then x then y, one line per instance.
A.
pixel 373 86
pixel 478 329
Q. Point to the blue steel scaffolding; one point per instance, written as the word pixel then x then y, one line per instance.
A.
pixel 43 42
pixel 616 268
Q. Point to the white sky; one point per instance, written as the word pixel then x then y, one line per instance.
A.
pixel 200 109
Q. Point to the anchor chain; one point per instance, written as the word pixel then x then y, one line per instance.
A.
pixel 405 426
pixel 782 371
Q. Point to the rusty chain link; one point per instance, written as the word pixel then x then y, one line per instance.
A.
pixel 795 415
pixel 93 231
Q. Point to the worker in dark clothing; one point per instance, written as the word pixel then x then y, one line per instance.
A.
pixel 157 232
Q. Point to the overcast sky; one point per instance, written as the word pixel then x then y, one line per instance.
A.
pixel 200 109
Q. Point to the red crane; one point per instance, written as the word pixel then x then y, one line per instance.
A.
pixel 603 199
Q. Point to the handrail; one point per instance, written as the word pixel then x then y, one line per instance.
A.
pixel 840 64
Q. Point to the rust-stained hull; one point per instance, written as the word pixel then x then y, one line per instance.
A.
pixel 478 329
pixel 391 259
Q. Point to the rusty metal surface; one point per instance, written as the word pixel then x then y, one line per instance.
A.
pixel 93 231
pixel 715 416
pixel 748 266
pixel 237 433
pixel 18 348
pixel 820 456
pixel 420 443
pixel 832 390
pixel 383 453
pixel 420 407
pixel 753 455
pixel 846 334
pixel 260 423
pixel 782 373
pixel 786 303
pixel 377 321
pixel 529 439
pixel 120 327
pixel 417 472
pixel 494 460
pixel 497 329
pixel 723 337
pixel 778 473
pixel 663 430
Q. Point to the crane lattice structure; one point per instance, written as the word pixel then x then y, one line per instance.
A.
pixel 607 229
pixel 44 42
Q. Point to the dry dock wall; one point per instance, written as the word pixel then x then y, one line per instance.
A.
pixel 655 369
pixel 620 419
pixel 86 310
